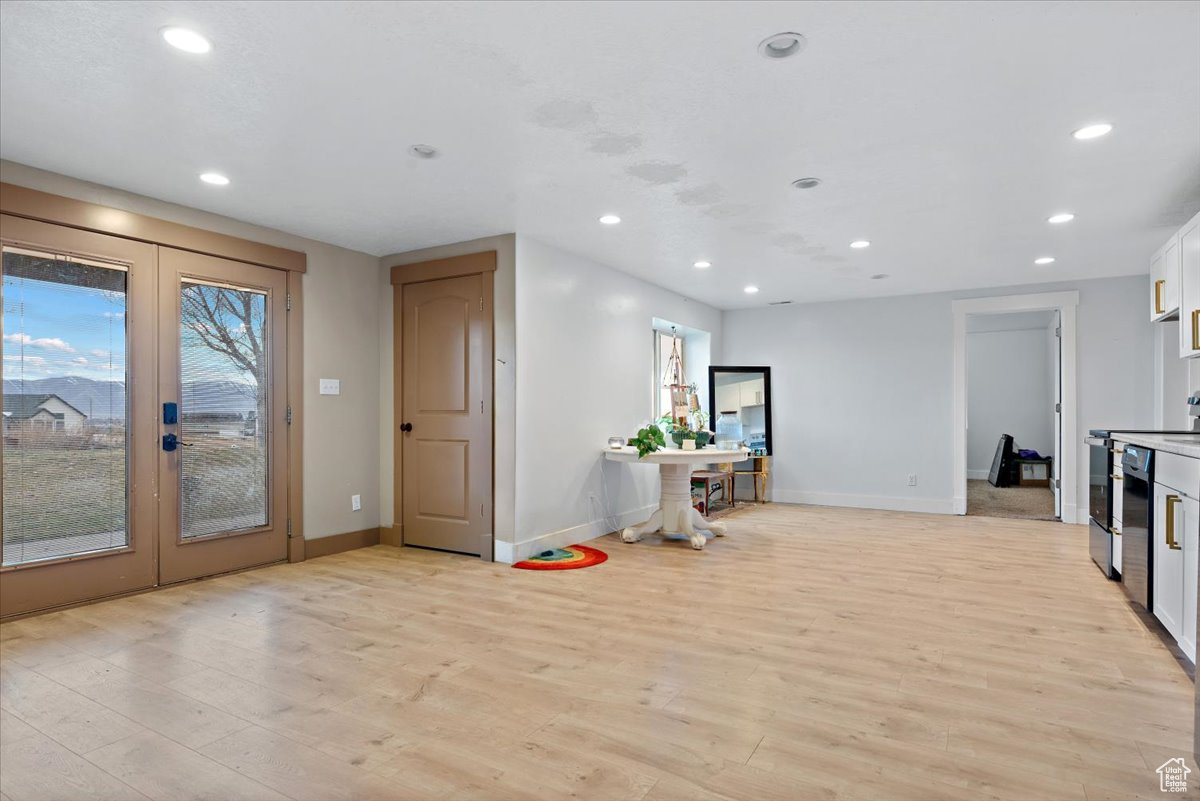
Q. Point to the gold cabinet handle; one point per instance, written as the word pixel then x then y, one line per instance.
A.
pixel 1195 329
pixel 1158 296
pixel 1115 477
pixel 1116 531
pixel 1172 500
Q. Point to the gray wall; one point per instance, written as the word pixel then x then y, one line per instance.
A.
pixel 1008 392
pixel 862 390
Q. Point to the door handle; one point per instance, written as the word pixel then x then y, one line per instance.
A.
pixel 170 442
pixel 1172 500
pixel 406 427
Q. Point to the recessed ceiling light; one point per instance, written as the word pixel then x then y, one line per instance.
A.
pixel 1065 217
pixel 702 265
pixel 859 244
pixel 806 183
pixel 214 178
pixel 186 40
pixel 610 219
pixel 782 45
pixel 423 151
pixel 879 276
pixel 1094 131
pixel 1044 260
pixel 750 290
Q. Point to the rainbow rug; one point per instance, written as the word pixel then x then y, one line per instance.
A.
pixel 569 558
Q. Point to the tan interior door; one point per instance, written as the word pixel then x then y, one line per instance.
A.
pixel 78 450
pixel 445 431
pixel 222 360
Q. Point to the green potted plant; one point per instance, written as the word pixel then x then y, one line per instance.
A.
pixel 648 440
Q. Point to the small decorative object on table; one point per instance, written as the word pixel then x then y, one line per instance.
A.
pixel 616 442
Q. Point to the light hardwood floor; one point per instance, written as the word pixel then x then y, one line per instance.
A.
pixel 813 653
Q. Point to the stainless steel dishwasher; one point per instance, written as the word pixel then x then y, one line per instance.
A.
pixel 1137 575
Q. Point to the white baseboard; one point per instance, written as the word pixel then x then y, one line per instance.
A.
pixel 978 475
pixel 510 552
pixel 941 506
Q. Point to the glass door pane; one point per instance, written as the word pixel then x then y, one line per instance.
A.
pixel 224 406
pixel 79 451
pixel 64 457
pixel 222 351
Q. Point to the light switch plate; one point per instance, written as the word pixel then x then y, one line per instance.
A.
pixel 355 503
pixel 331 386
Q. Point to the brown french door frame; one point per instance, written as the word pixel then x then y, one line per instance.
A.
pixel 482 264
pixel 71 579
pixel 27 589
pixel 181 558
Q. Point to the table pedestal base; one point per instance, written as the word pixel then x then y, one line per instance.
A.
pixel 675 513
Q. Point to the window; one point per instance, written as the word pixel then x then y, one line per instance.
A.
pixel 663 345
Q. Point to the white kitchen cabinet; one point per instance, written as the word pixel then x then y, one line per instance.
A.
pixel 1189 289
pixel 1191 573
pixel 1175 546
pixel 729 398
pixel 1164 281
pixel 753 393
pixel 1168 560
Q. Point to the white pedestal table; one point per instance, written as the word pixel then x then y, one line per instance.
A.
pixel 675 513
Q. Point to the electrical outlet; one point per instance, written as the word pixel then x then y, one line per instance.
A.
pixel 912 479
pixel 330 386
pixel 355 503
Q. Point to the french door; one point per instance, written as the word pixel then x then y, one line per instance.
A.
pixel 144 411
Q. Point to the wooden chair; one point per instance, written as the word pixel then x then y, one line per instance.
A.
pixel 760 468
pixel 706 479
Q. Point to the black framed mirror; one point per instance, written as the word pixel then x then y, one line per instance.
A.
pixel 744 391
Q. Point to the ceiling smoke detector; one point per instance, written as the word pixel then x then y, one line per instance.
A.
pixel 782 45
pixel 806 183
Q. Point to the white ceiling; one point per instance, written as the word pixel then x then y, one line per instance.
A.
pixel 941 130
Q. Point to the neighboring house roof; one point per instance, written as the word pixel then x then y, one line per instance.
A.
pixel 22 406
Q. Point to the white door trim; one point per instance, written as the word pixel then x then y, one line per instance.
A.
pixel 1066 303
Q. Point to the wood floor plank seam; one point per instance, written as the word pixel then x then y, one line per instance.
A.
pixel 821 653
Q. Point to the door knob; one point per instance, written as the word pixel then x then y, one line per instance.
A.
pixel 406 427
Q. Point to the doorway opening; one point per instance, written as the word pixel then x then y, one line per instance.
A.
pixel 1012 402
pixel 1015 445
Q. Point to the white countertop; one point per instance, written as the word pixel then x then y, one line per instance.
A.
pixel 1182 444
pixel 677 455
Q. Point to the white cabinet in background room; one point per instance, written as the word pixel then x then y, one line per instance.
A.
pixel 753 392
pixel 729 398
pixel 1189 289
pixel 1164 281
pixel 1176 547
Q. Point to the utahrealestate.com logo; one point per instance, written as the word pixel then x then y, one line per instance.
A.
pixel 1172 776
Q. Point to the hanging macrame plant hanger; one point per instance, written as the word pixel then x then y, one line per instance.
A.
pixel 674 380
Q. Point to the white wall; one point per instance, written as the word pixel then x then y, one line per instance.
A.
pixel 584 351
pixel 341 340
pixel 1172 384
pixel 862 390
pixel 1008 389
pixel 504 377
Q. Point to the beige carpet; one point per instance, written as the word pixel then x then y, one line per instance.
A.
pixel 1027 503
